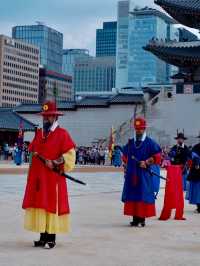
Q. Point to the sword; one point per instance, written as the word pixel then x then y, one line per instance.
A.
pixel 148 169
pixel 42 159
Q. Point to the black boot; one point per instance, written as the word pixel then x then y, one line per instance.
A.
pixel 142 222
pixel 198 208
pixel 135 221
pixel 51 241
pixel 42 241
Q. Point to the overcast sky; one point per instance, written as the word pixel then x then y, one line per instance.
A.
pixel 76 19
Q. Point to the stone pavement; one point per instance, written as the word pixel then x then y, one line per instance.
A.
pixel 8 167
pixel 100 235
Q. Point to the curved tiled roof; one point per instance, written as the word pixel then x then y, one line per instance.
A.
pixel 174 44
pixel 96 101
pixel 87 102
pixel 181 54
pixel 187 12
pixel 36 108
pixel 187 4
pixel 10 120
pixel 127 98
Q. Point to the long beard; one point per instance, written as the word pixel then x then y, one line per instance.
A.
pixel 46 126
pixel 139 137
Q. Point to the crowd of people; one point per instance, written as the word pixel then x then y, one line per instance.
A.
pixel 84 155
pixel 92 155
pixel 99 156
pixel 17 153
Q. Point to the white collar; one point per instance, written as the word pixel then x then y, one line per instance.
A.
pixel 54 126
pixel 143 136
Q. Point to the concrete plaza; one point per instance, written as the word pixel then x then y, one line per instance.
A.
pixel 100 234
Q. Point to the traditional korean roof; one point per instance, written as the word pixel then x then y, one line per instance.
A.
pixel 181 54
pixel 10 121
pixel 186 12
pixel 93 101
pixel 36 108
pixel 179 76
pixel 127 98
pixel 87 102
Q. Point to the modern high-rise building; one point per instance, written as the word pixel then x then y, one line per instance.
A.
pixel 69 58
pixel 122 44
pixel 47 39
pixel 55 85
pixel 134 66
pixel 95 74
pixel 106 39
pixel 19 72
pixel 144 68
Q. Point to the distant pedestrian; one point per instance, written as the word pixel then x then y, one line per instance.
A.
pixel 117 161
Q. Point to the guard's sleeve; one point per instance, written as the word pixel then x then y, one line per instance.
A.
pixel 66 142
pixel 155 153
pixel 69 160
pixel 172 152
pixel 157 158
pixel 125 153
pixel 67 151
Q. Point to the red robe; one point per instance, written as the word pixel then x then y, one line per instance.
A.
pixel 42 183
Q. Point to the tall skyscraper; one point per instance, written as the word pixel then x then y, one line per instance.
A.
pixel 122 44
pixel 69 59
pixel 144 68
pixel 47 39
pixel 135 28
pixel 106 39
pixel 19 72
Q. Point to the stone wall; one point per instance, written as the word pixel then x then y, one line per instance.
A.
pixel 87 125
pixel 165 115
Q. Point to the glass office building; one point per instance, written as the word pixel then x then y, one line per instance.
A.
pixel 135 67
pixel 106 39
pixel 94 74
pixel 69 59
pixel 122 44
pixel 47 39
pixel 145 68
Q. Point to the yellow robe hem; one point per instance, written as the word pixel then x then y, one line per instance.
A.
pixel 38 220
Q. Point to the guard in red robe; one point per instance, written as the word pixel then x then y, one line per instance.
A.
pixel 46 198
pixel 140 153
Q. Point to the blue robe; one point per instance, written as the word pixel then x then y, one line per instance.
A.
pixel 18 156
pixel 193 192
pixel 156 180
pixel 193 187
pixel 138 184
pixel 117 158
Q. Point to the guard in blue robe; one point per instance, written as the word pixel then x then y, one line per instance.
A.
pixel 193 193
pixel 138 192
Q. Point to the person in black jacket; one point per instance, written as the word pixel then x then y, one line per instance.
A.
pixel 194 177
pixel 180 154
